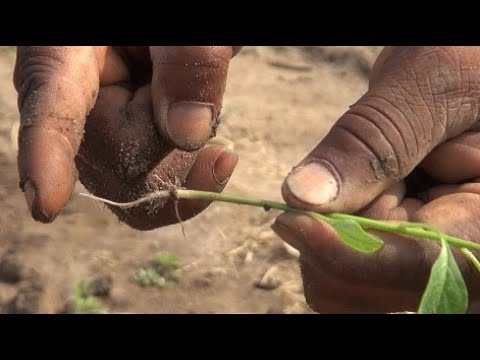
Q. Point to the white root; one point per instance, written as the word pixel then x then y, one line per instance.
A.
pixel 161 194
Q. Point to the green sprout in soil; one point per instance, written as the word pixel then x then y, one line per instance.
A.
pixel 84 302
pixel 162 271
pixel 446 291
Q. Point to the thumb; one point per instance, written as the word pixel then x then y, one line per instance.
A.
pixel 187 89
pixel 57 87
pixel 420 97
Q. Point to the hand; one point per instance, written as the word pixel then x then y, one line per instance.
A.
pixel 408 150
pixel 150 111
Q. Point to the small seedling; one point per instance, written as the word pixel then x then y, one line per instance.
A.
pixel 163 270
pixel 446 291
pixel 149 277
pixel 166 263
pixel 84 302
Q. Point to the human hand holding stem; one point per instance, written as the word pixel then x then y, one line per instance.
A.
pixel 364 244
pixel 406 151
pixel 352 230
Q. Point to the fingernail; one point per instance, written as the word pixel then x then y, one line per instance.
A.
pixel 35 210
pixel 225 163
pixel 29 194
pixel 286 234
pixel 313 184
pixel 189 124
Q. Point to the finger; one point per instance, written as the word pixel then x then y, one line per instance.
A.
pixel 329 295
pixel 212 170
pixel 139 63
pixel 122 158
pixel 442 190
pixel 457 214
pixel 392 205
pixel 221 163
pixel 112 69
pixel 57 88
pixel 420 98
pixel 390 267
pixel 397 274
pixel 382 58
pixel 457 160
pixel 187 89
pixel 394 276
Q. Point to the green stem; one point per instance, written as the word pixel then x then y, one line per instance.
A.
pixel 409 229
pixel 242 200
pixel 472 258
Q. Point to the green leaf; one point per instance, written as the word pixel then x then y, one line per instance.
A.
pixel 446 292
pixel 147 277
pixel 355 237
pixel 166 262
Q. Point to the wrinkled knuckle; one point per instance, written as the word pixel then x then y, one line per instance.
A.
pixel 450 89
pixel 423 96
pixel 440 83
pixel 59 84
pixel 35 62
pixel 36 66
pixel 369 128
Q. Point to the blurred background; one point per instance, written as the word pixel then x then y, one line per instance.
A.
pixel 279 103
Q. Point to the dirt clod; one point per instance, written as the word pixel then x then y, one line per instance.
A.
pixel 35 296
pixel 99 285
pixel 11 269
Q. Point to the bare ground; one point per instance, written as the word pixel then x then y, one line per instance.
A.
pixel 280 101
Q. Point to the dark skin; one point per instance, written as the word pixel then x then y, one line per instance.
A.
pixel 132 144
pixel 419 119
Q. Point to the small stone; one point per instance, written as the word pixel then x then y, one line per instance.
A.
pixel 270 280
pixel 268 283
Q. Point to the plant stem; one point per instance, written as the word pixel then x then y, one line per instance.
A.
pixel 409 229
pixel 242 200
pixel 209 196
pixel 472 258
